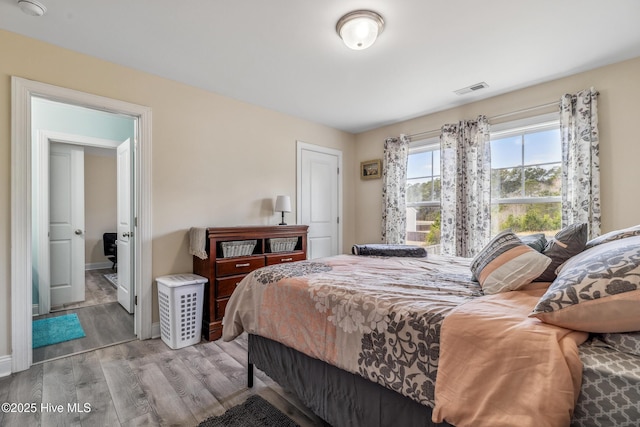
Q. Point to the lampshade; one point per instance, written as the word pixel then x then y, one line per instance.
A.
pixel 32 7
pixel 359 29
pixel 283 204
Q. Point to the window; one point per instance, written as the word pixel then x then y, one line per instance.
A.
pixel 423 194
pixel 526 176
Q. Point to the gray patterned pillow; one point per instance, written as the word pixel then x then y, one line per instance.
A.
pixel 626 343
pixel 614 235
pixel 536 241
pixel 597 290
pixel 566 243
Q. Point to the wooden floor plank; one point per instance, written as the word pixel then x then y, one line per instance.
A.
pixel 122 323
pixel 136 351
pixel 129 398
pixel 193 393
pixel 97 325
pixel 58 391
pixel 92 389
pixel 212 368
pixel 5 382
pixel 166 403
pixel 25 387
pixel 207 371
pixel 234 370
pixel 146 383
pixel 238 350
pixel 145 420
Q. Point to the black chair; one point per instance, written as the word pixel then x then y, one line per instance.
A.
pixel 111 248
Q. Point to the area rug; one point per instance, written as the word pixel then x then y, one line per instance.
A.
pixel 113 278
pixel 254 412
pixel 54 330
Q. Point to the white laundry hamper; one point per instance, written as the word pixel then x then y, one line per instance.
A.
pixel 180 297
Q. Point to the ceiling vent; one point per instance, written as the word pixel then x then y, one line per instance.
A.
pixel 471 88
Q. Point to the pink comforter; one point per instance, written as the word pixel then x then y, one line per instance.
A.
pixel 377 317
pixel 498 367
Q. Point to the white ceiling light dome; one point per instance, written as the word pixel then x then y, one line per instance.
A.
pixel 32 7
pixel 360 29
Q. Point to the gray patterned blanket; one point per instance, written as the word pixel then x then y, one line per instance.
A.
pixel 376 317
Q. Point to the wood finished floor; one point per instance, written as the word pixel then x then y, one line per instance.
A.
pixel 103 324
pixel 144 383
pixel 104 321
pixel 97 290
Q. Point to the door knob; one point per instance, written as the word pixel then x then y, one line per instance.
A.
pixel 127 234
pixel 78 232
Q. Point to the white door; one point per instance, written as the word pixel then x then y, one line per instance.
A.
pixel 319 197
pixel 66 223
pixel 125 228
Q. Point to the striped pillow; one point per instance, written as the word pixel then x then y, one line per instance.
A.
pixel 507 264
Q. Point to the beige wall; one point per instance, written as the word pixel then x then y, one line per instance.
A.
pixel 619 87
pixel 100 199
pixel 216 161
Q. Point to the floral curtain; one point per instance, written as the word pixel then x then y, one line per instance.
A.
pixel 466 187
pixel 580 160
pixel 394 179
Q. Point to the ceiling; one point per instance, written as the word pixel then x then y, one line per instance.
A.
pixel 285 55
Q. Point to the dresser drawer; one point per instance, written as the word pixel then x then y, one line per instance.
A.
pixel 285 257
pixel 244 265
pixel 225 287
pixel 221 304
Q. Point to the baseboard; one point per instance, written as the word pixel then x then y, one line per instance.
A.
pixel 98 265
pixel 35 310
pixel 155 330
pixel 5 366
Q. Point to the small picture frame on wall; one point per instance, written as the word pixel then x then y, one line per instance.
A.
pixel 371 169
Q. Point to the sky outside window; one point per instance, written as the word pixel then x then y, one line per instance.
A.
pixel 542 147
pixel 423 164
pixel 539 148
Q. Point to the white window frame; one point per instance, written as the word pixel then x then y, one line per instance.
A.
pixel 424 145
pixel 518 127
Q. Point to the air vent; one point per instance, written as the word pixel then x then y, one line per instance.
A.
pixel 471 88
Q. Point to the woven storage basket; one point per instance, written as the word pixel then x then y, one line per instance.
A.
pixel 238 248
pixel 283 244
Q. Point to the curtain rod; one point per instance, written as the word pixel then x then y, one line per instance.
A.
pixel 499 116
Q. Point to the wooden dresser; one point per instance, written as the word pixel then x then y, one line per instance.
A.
pixel 224 274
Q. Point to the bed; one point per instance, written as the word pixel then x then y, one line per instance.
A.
pixel 384 340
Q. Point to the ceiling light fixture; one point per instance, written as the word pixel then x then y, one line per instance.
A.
pixel 32 7
pixel 360 28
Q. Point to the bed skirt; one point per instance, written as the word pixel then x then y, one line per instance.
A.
pixel 338 397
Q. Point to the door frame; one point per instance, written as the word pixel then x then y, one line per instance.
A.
pixel 45 138
pixel 22 90
pixel 304 146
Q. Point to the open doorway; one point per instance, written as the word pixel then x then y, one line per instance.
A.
pixel 22 233
pixel 76 203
